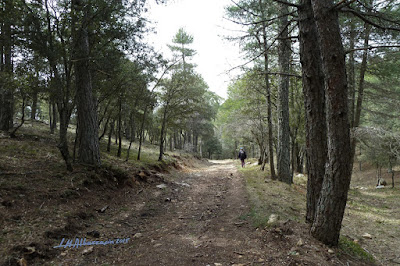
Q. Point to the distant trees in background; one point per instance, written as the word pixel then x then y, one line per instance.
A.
pixel 187 106
pixel 86 64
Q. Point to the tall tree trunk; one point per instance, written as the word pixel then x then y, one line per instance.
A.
pixel 132 136
pixel 6 89
pixel 60 97
pixel 141 133
pixel 360 96
pixel 1 43
pixel 51 118
pixel 75 142
pixel 283 153
pixel 12 134
pixel 314 103
pixel 54 124
pixel 118 136
pixel 162 138
pixel 351 73
pixel 106 124
pixel 63 144
pixel 333 198
pixel 110 135
pixel 89 151
pixel 34 104
pixel 269 106
pixel 300 160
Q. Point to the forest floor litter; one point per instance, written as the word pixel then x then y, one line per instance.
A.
pixel 204 213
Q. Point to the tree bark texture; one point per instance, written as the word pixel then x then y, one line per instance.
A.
pixel 6 88
pixel 89 152
pixel 314 102
pixel 34 104
pixel 284 51
pixel 332 201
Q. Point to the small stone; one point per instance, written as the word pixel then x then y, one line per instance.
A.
pixel 261 260
pixel 217 264
pixel 22 262
pixel 30 250
pixel 161 186
pixel 138 235
pixel 142 174
pixel 222 229
pixel 367 236
pixel 63 254
pixel 293 252
pixel 102 210
pixel 300 242
pixel 157 245
pixel 87 251
pixel 330 251
pixel 273 218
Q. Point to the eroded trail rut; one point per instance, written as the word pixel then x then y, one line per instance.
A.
pixel 197 222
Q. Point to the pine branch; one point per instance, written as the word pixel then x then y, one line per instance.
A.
pixel 363 17
pixel 287 3
pixel 245 9
pixel 372 47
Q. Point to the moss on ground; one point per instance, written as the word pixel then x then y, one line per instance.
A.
pixel 353 249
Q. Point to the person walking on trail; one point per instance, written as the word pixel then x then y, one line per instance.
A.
pixel 242 156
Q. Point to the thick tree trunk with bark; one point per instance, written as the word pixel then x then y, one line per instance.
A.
pixel 314 102
pixel 283 153
pixel 332 201
pixel 89 152
pixel 6 88
pixel 34 104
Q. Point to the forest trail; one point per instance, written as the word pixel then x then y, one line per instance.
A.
pixel 200 216
pixel 198 222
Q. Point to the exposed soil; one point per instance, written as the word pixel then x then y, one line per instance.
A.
pixel 375 212
pixel 197 219
pixel 201 215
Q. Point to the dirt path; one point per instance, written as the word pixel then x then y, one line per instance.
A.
pixel 199 222
pixel 200 217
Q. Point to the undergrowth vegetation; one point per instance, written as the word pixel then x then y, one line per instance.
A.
pixel 269 197
pixel 370 225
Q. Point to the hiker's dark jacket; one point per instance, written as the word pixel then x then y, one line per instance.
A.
pixel 242 155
